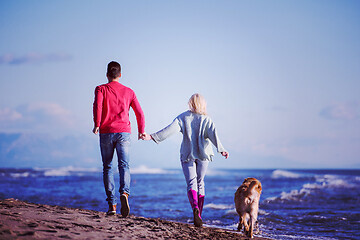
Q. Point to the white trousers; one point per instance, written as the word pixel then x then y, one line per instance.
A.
pixel 194 172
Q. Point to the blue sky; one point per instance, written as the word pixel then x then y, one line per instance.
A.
pixel 281 78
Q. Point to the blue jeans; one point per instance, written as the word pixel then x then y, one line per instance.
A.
pixel 108 143
pixel 194 173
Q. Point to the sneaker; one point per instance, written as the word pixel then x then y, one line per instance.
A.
pixel 112 210
pixel 125 208
pixel 197 219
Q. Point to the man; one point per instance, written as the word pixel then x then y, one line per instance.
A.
pixel 111 118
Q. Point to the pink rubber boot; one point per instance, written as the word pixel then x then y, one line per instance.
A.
pixel 201 203
pixel 193 199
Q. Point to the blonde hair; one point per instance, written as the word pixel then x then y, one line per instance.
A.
pixel 197 104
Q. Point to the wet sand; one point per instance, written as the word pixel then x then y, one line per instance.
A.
pixel 22 220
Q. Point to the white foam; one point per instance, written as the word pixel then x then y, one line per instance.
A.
pixel 57 172
pixel 333 181
pixel 233 226
pixel 322 183
pixel 142 169
pixel 226 188
pixel 213 222
pixel 294 195
pixel 231 212
pixel 66 171
pixel 219 224
pixel 263 212
pixel 219 206
pixel 284 174
pixel 70 171
pixel 19 175
pixel 313 186
pixel 214 172
pixel 270 199
pixel 339 183
pixel 288 237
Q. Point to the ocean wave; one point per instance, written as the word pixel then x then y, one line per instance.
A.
pixel 227 188
pixel 57 173
pixel 213 223
pixel 75 171
pixel 325 185
pixel 293 195
pixel 298 237
pixel 284 174
pixel 47 172
pixel 334 181
pixel 15 173
pixel 233 226
pixel 263 212
pixel 219 206
pixel 66 171
pixel 221 225
pixel 231 212
pixel 70 171
pixel 142 169
pixel 215 172
pixel 20 175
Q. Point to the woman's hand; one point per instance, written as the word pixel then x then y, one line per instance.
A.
pixel 225 154
pixel 145 136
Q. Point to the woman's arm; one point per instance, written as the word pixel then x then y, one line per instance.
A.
pixel 166 132
pixel 214 138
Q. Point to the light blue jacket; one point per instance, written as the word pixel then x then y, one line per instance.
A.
pixel 198 133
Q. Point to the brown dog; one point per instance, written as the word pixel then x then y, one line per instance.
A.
pixel 247 198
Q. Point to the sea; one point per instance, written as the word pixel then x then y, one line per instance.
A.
pixel 295 204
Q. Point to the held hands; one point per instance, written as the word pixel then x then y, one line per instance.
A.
pixel 141 135
pixel 145 136
pixel 225 154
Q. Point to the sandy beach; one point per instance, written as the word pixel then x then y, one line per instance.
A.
pixel 22 220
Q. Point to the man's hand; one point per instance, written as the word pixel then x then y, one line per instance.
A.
pixel 225 154
pixel 141 135
pixel 96 130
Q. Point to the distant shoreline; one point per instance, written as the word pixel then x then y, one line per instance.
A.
pixel 19 219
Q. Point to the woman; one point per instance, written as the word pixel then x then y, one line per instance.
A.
pixel 196 151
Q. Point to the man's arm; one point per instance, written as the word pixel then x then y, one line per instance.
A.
pixel 140 117
pixel 97 109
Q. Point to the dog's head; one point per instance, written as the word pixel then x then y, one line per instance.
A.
pixel 249 181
